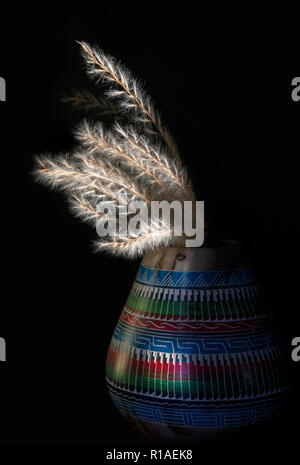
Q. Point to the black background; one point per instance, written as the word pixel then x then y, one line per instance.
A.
pixel 222 80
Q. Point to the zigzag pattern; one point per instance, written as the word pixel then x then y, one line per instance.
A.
pixel 135 318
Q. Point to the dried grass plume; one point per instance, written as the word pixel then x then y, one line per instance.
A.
pixel 133 159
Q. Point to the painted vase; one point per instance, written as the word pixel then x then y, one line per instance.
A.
pixel 193 352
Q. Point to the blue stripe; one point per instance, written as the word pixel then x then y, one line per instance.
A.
pixel 194 279
pixel 185 344
pixel 197 416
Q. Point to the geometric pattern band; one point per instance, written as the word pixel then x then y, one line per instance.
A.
pixel 215 304
pixel 189 342
pixel 204 377
pixel 194 279
pixel 196 416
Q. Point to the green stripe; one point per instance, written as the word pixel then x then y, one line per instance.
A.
pixel 203 310
pixel 205 388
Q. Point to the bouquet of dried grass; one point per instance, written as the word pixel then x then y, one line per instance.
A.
pixel 135 159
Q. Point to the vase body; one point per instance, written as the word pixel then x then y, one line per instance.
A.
pixel 193 352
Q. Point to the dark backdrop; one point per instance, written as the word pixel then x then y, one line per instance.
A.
pixel 222 80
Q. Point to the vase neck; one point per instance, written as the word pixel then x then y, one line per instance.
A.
pixel 225 256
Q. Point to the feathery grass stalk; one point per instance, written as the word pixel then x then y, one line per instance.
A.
pixel 106 142
pixel 84 209
pixel 136 245
pixel 173 173
pixel 85 100
pixel 83 174
pixel 130 93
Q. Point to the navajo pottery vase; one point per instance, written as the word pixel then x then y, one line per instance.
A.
pixel 193 352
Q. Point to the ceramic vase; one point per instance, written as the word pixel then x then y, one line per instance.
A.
pixel 193 352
